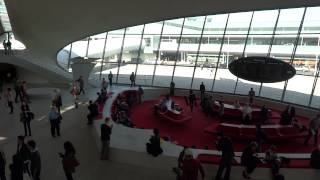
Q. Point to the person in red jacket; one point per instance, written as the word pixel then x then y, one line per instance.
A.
pixel 191 167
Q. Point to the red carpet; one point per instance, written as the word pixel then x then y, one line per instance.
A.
pixel 192 133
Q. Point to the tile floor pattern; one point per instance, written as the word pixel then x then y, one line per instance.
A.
pixel 123 164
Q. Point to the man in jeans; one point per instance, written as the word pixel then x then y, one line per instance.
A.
pixel 105 138
pixel 224 145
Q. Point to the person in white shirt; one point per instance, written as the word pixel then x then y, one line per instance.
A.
pixel 246 114
pixel 313 129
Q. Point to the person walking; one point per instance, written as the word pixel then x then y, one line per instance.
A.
pixel 132 79
pixel 202 90
pixel 35 159
pixel 110 77
pixel 81 85
pixel 191 167
pixel 313 129
pixel 225 145
pixel 105 131
pixel 2 165
pixel 192 100
pixel 54 119
pixel 25 117
pixel 9 96
pixel 69 161
pixel 172 86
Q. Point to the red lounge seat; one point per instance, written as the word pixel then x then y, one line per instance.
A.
pixel 248 132
pixel 174 118
pixel 215 159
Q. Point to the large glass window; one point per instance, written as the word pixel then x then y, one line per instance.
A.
pixel 199 49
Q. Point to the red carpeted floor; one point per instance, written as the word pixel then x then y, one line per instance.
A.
pixel 192 133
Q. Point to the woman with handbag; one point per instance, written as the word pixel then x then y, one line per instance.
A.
pixel 25 117
pixel 69 161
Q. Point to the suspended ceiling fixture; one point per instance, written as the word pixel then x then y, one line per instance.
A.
pixel 262 69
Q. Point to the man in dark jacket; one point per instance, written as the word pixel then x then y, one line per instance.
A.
pixel 2 166
pixel 35 160
pixel 315 158
pixel 224 145
pixel 106 129
pixel 93 112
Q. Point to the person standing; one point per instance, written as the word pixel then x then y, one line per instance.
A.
pixel 105 130
pixel 172 86
pixel 110 77
pixel 9 96
pixel 2 166
pixel 104 84
pixel 313 129
pixel 4 44
pixel 55 119
pixel 17 91
pixel 8 44
pixel 191 167
pixel 75 93
pixel 202 90
pixel 69 161
pixel 192 100
pixel 140 94
pixel 35 159
pixel 225 145
pixel 154 144
pixel 25 117
pixel 57 100
pixel 93 112
pixel 251 95
pixel 132 79
pixel 81 85
pixel 23 154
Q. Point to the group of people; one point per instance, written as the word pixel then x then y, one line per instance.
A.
pixel 26 162
pixel 123 106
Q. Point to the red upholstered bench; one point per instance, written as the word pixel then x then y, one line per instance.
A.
pixel 215 159
pixel 248 132
pixel 174 118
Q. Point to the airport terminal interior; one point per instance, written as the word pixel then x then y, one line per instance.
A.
pixel 119 89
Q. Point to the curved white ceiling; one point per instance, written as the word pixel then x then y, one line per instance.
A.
pixel 46 26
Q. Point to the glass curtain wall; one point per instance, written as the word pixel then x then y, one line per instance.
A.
pixel 193 50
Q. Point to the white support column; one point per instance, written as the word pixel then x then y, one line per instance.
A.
pixel 82 67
